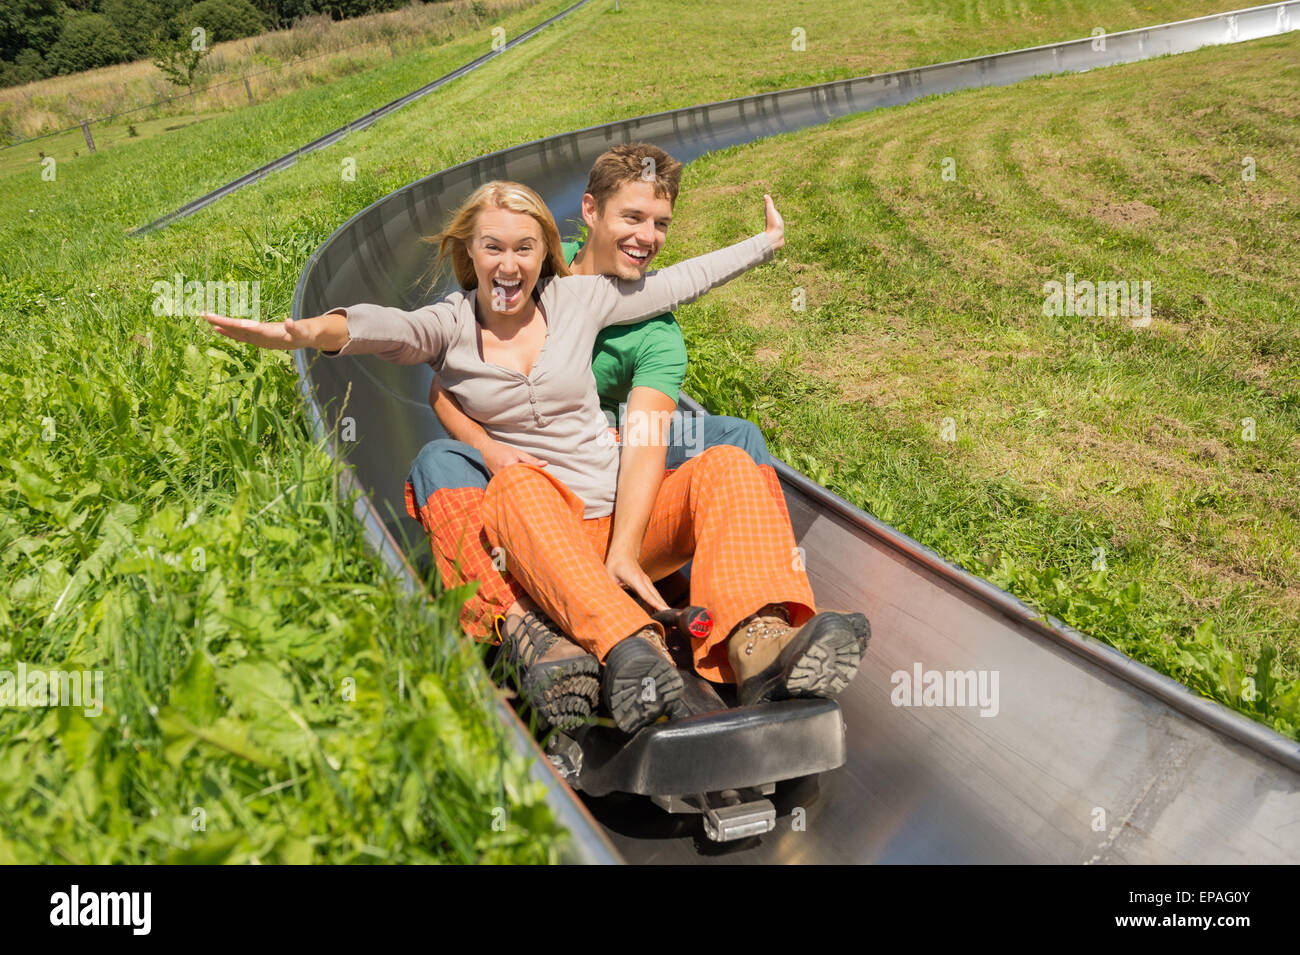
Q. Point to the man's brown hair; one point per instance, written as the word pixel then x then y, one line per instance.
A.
pixel 634 162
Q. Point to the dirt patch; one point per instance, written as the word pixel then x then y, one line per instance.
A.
pixel 1135 213
pixel 863 374
pixel 1164 449
pixel 1209 452
pixel 1164 432
pixel 879 391
pixel 1216 577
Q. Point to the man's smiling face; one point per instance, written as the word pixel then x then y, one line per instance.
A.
pixel 626 235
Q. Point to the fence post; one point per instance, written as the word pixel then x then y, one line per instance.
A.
pixel 249 90
pixel 85 129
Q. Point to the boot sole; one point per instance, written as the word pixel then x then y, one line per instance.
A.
pixel 627 668
pixel 565 692
pixel 820 662
pixel 861 629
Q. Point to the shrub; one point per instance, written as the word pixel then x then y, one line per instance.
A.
pixel 88 40
pixel 222 19
pixel 136 21
pixel 29 68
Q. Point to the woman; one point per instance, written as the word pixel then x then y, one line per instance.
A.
pixel 514 348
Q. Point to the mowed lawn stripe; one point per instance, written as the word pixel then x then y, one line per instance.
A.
pixel 1138 482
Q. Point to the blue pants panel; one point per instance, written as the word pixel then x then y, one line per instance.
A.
pixel 690 435
pixel 447 463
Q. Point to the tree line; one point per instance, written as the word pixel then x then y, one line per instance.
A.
pixel 42 38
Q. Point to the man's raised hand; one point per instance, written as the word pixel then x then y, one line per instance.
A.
pixel 775 224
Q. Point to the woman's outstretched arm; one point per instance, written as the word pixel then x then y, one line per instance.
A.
pixel 618 302
pixel 405 338
pixel 326 332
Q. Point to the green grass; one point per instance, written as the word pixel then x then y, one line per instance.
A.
pixel 263 676
pixel 571 75
pixel 218 147
pixel 70 145
pixel 225 676
pixel 313 53
pixel 1100 471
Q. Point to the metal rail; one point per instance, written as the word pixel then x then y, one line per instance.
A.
pixel 288 159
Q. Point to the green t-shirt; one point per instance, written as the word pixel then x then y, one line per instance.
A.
pixel 650 353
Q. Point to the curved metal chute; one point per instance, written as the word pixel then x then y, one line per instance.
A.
pixel 1086 756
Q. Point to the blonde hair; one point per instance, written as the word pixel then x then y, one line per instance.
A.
pixel 453 241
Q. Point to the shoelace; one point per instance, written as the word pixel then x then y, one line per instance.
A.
pixel 660 644
pixel 768 627
pixel 540 638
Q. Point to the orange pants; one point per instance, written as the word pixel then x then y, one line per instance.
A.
pixel 453 519
pixel 713 510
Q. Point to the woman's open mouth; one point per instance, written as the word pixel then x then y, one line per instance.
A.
pixel 507 291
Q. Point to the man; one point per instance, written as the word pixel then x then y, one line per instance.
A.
pixel 627 209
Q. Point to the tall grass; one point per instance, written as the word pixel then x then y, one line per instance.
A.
pixel 270 694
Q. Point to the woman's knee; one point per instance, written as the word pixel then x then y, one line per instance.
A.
pixel 515 480
pixel 516 497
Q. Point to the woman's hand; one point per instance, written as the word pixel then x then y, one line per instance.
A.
pixel 329 332
pixel 775 224
pixel 627 572
pixel 497 456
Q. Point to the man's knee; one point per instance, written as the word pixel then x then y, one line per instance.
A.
pixel 739 433
pixel 724 458
pixel 443 464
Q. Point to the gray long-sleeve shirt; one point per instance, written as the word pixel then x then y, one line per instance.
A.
pixel 553 412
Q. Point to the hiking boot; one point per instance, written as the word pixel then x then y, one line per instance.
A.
pixel 556 676
pixel 641 681
pixel 775 661
pixel 861 629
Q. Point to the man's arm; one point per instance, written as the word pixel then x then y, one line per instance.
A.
pixel 644 439
pixel 619 302
pixel 464 428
